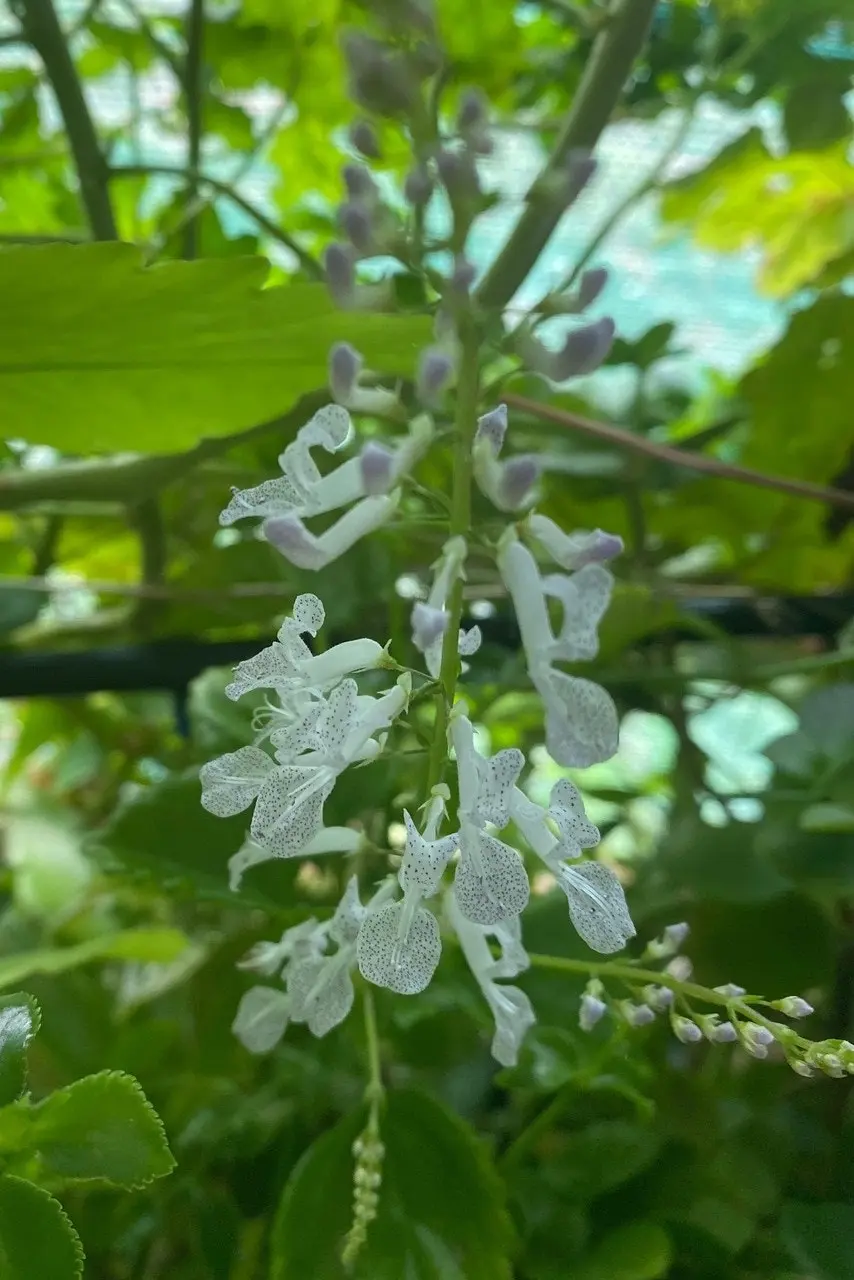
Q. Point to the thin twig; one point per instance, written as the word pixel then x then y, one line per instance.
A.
pixel 272 229
pixel 680 457
pixel 610 64
pixel 42 29
pixel 193 84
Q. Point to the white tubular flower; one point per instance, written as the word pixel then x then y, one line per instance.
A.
pixel 490 884
pixel 571 550
pixel 510 1006
pixel 302 490
pixel 399 945
pixel 597 903
pixel 430 618
pixel 327 840
pixel 581 720
pixel 509 485
pixel 264 1012
pixel 288 665
pixel 307 550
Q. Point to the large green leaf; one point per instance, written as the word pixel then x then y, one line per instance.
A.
pixel 441 1214
pixel 101 1128
pixel 19 1022
pixel 100 353
pixel 37 1240
pixel 820 1238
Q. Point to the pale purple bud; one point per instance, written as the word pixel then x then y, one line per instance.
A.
pixel 794 1007
pixel 463 276
pixel 658 998
pixel 472 113
pixel 492 426
pixel 676 934
pixel 359 183
pixel 418 185
pixel 356 223
pixel 600 547
pixel 345 365
pixel 730 990
pixel 756 1034
pixel 458 173
pixel 590 286
pixel 591 1010
pixel 584 349
pixel 637 1015
pixel 378 80
pixel 428 625
pixel 680 967
pixel 435 371
pixel 518 477
pixel 801 1068
pixel 364 139
pixel 686 1030
pixel 831 1065
pixel 376 464
pixel 340 274
pixel 723 1033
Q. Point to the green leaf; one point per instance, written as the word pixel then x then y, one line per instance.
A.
pixel 19 1022
pixel 156 358
pixel 37 1240
pixel 827 718
pixel 602 1156
pixel 827 817
pixel 820 1238
pixel 441 1213
pixel 636 1251
pixel 101 1128
pixel 147 945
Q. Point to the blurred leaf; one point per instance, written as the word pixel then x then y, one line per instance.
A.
pixel 37 1240
pixel 827 817
pixel 820 1237
pixel 100 1128
pixel 827 718
pixel 132 944
pixel 156 358
pixel 644 351
pixel 601 1156
pixel 19 1022
pixel 440 1217
pixel 18 606
pixel 636 1251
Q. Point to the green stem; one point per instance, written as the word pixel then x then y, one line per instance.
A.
pixel 43 31
pixel 610 63
pixel 468 391
pixel 374 1090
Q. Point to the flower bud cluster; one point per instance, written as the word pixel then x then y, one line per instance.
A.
pixel 369 1154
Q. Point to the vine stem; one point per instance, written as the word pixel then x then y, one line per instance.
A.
pixel 468 392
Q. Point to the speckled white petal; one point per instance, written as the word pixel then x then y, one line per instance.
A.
pixel 469 641
pixel 514 958
pixel 597 906
pixel 261 1019
pixel 248 855
pixel 289 810
pixel 321 991
pixel 424 861
pixel 582 727
pixel 584 597
pixel 491 883
pixel 338 717
pixel 231 782
pixel 390 955
pixel 349 914
pixel 308 613
pixel 271 498
pixel 566 809
pixel 514 1016
pixel 497 777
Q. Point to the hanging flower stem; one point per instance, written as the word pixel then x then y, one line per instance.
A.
pixel 468 392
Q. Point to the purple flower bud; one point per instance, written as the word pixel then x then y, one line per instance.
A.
pixel 590 285
pixel 637 1015
pixel 463 275
pixel 435 371
pixel 458 173
pixel 724 1033
pixel 757 1035
pixel 428 625
pixel 601 547
pixel 364 139
pixel 591 1011
pixel 418 185
pixel 686 1030
pixel 359 183
pixel 676 934
pixel 340 274
pixel 584 349
pixel 356 223
pixel 658 998
pixel 472 113
pixel 378 80
pixel 794 1007
pixel 730 990
pixel 345 365
pixel 492 426
pixel 680 967
pixel 518 477
pixel 376 463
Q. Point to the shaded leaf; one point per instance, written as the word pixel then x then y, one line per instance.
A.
pixel 37 1239
pixel 19 1022
pixel 820 1238
pixel 150 945
pixel 635 1251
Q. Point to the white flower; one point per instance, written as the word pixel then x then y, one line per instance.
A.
pixel 581 720
pixel 571 550
pixel 289 666
pixel 399 945
pixel 430 617
pixel 307 550
pixel 290 792
pixel 490 883
pixel 510 1006
pixel 509 484
pixel 326 840
pixel 597 903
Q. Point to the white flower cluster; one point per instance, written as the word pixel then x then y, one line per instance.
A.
pixel 316 723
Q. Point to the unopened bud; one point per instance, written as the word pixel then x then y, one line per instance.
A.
pixel 518 478
pixel 376 464
pixel 636 1015
pixel 356 222
pixel 801 1068
pixel 680 967
pixel 658 998
pixel 428 625
pixel 793 1007
pixel 492 426
pixel 345 365
pixel 340 274
pixel 472 113
pixel 458 173
pixel 756 1039
pixel 677 934
pixel 463 276
pixel 364 139
pixel 379 80
pixel 686 1030
pixel 724 1033
pixel 585 349
pixel 590 1012
pixel 730 990
pixel 434 375
pixel 590 286
pixel 418 185
pixel 359 183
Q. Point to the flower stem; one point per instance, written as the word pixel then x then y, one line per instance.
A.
pixel 468 391
pixel 374 1090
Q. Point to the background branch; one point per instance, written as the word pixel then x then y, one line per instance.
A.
pixel 193 81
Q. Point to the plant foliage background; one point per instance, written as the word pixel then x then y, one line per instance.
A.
pixel 130 401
